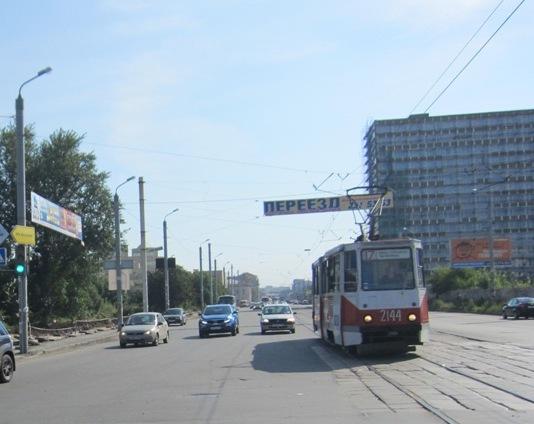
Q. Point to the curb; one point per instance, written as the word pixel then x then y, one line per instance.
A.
pixel 60 345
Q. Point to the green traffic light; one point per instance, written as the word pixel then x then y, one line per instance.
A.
pixel 20 268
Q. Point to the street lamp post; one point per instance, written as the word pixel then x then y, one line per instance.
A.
pixel 21 212
pixel 201 275
pixel 165 264
pixel 211 276
pixel 118 275
pixel 215 272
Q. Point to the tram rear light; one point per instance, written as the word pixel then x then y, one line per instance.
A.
pixel 412 317
pixel 367 318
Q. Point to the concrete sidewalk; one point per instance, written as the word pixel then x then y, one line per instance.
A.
pixel 70 343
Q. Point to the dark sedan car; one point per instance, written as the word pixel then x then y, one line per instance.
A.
pixel 519 307
pixel 175 316
pixel 7 356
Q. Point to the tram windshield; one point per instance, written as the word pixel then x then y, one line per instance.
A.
pixel 387 269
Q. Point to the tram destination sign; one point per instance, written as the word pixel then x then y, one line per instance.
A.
pixel 326 204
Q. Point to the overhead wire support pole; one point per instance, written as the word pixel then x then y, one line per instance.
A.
pixel 211 275
pixel 118 270
pixel 144 277
pixel 20 156
pixel 166 260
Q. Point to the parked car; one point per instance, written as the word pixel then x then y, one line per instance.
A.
pixel 7 355
pixel 218 319
pixel 519 307
pixel 175 316
pixel 277 318
pixel 144 328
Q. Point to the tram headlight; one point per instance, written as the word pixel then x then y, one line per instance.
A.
pixel 412 317
pixel 367 318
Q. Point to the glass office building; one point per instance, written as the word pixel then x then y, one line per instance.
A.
pixel 459 177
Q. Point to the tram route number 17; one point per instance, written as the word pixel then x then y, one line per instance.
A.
pixel 390 315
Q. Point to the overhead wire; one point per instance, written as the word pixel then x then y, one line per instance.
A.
pixel 208 158
pixel 456 57
pixel 474 56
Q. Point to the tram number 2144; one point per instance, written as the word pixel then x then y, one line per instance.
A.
pixel 390 315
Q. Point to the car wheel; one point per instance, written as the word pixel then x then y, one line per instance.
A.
pixel 263 331
pixel 234 331
pixel 6 369
pixel 237 329
pixel 504 316
pixel 156 340
pixel 123 345
pixel 516 315
pixel 166 339
pixel 292 331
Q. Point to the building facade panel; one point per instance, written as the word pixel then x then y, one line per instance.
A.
pixel 457 176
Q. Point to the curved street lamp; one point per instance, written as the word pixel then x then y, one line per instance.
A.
pixel 165 259
pixel 21 211
pixel 118 275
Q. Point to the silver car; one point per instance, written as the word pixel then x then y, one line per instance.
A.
pixel 144 328
pixel 7 355
pixel 277 318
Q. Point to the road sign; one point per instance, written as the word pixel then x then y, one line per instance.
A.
pixel 3 256
pixel 23 235
pixel 125 264
pixel 3 233
pixel 326 204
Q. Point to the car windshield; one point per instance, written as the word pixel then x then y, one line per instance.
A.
pixel 217 310
pixel 144 319
pixel 173 311
pixel 276 309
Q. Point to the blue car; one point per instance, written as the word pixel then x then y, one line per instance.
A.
pixel 218 319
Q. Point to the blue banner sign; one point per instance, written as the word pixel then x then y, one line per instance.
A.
pixel 326 204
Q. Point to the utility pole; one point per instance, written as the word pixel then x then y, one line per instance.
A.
pixel 215 270
pixel 143 243
pixel 20 156
pixel 211 275
pixel 201 279
pixel 118 269
pixel 166 260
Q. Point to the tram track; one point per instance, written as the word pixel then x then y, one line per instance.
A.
pixel 416 398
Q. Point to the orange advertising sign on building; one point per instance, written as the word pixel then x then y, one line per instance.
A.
pixel 475 253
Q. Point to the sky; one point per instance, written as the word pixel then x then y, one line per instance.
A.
pixel 222 105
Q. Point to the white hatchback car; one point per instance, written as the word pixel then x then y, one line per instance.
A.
pixel 278 317
pixel 144 328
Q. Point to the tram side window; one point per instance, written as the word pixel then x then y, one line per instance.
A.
pixel 315 279
pixel 322 277
pixel 333 273
pixel 351 272
pixel 420 273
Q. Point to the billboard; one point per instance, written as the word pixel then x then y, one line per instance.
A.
pixel 52 216
pixel 475 253
pixel 325 204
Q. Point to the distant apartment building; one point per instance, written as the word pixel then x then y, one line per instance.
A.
pixel 301 289
pixel 245 286
pixel 463 184
pixel 132 279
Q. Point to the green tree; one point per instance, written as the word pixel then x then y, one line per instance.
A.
pixel 65 278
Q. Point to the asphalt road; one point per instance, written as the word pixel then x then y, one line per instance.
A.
pixel 278 378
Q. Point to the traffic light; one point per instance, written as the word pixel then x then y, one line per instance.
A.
pixel 20 263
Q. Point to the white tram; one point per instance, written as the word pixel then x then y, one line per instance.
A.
pixel 371 294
